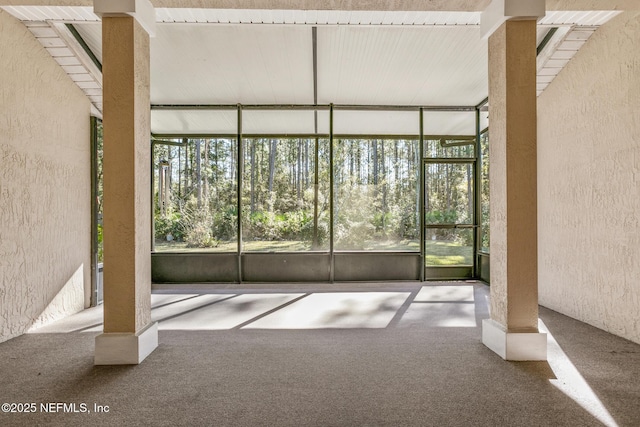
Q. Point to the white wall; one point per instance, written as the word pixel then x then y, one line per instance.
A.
pixel 589 183
pixel 44 186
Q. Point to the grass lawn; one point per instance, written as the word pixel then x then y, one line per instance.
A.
pixel 284 246
pixel 438 252
pixel 250 246
pixel 163 246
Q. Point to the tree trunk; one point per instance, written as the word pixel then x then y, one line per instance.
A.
pixel 418 159
pixel 396 173
pixel 352 162
pixel 272 162
pixel 373 161
pixel 469 193
pixel 216 161
pixel 198 156
pixel 187 171
pixel 179 172
pixel 234 156
pixel 299 173
pixel 306 162
pixel 170 159
pixel 447 186
pixel 383 172
pixel 252 153
pixel 427 187
pixel 359 163
pixel 205 189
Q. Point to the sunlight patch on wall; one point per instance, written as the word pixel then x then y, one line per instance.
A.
pixel 68 301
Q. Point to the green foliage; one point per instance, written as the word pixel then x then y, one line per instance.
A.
pixel 198 225
pixel 452 148
pixel 261 226
pixel 198 233
pixel 295 225
pixel 224 223
pixel 407 226
pixel 485 227
pixel 353 235
pixel 454 236
pixel 441 217
pixel 192 224
pixel 484 196
pixel 169 225
pixel 100 243
pixel 375 188
pixel 382 221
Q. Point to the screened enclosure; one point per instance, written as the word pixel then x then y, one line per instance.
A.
pixel 316 193
pixel 323 145
pixel 316 151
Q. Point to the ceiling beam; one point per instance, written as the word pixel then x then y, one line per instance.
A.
pixel 377 5
pixel 500 11
pixel 356 5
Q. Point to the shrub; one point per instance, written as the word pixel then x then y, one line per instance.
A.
pixel 169 224
pixel 198 226
pixel 224 224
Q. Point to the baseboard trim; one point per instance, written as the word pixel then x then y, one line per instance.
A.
pixel 516 346
pixel 126 348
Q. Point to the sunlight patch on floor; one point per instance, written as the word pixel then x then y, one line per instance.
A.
pixel 226 312
pixel 442 306
pixel 336 310
pixel 440 293
pixel 433 306
pixel 447 315
pixel 571 382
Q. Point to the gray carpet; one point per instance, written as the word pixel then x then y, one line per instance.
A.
pixel 405 374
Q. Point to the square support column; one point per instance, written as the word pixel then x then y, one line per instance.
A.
pixel 129 336
pixel 512 331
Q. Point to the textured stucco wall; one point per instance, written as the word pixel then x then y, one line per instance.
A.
pixel 44 186
pixel 589 183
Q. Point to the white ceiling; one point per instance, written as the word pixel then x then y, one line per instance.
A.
pixel 203 64
pixel 273 64
pixel 433 66
pixel 388 58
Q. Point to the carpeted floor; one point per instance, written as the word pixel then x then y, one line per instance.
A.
pixel 378 355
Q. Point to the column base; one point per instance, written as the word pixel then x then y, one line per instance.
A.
pixel 517 346
pixel 126 348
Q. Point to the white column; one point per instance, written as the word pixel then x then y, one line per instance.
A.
pixel 129 336
pixel 512 332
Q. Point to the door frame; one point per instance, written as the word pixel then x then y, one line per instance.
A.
pixel 458 272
